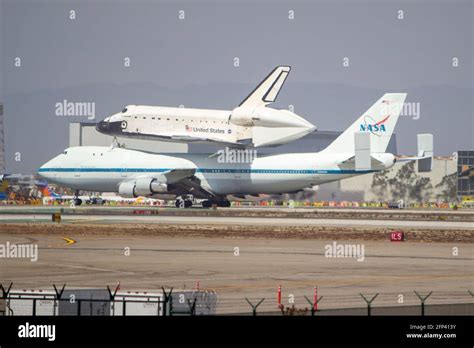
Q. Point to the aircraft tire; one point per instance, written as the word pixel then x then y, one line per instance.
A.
pixel 223 204
pixel 207 203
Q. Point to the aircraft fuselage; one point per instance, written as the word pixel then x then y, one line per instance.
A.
pixel 104 169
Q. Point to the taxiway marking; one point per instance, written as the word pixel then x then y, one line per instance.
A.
pixel 69 241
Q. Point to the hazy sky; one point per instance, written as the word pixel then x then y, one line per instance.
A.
pixel 191 61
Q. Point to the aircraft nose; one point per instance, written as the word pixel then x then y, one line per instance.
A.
pixel 102 126
pixel 43 170
pixel 109 127
pixel 46 171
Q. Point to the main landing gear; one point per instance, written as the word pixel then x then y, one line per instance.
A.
pixel 184 203
pixel 223 203
pixel 187 202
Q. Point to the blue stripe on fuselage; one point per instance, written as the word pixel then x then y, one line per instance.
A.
pixel 207 170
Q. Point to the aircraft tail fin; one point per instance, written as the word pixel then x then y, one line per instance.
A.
pixel 379 121
pixel 267 91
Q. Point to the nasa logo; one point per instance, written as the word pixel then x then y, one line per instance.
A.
pixel 370 125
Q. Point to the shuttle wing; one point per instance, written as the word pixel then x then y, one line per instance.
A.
pixel 267 91
pixel 212 140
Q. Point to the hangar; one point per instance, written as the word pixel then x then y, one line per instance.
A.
pixel 465 171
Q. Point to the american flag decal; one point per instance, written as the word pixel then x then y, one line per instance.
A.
pixel 188 129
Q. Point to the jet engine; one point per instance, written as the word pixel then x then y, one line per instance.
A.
pixel 141 187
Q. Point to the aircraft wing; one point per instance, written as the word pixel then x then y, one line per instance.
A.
pixel 402 159
pixel 425 163
pixel 350 162
pixel 267 91
pixel 174 176
pixel 192 185
pixel 424 158
pixel 182 181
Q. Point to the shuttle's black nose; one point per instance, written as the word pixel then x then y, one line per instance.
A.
pixel 102 126
pixel 111 128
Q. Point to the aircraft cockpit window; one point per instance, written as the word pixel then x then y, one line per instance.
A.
pixel 124 110
pixel 65 152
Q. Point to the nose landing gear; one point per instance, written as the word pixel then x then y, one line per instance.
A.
pixel 76 200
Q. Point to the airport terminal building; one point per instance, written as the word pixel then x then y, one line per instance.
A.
pixel 465 173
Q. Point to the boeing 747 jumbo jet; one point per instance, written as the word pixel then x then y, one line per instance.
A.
pixel 252 123
pixel 360 149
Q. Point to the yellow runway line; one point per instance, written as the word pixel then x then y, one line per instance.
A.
pixel 68 241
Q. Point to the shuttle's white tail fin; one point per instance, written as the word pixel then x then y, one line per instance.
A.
pixel 267 91
pixel 379 121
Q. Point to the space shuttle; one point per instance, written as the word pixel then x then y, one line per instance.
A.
pixel 251 124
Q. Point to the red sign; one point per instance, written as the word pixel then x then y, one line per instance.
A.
pixel 397 236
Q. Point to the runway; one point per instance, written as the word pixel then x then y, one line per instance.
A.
pixel 258 208
pixel 241 252
pixel 219 220
pixel 255 271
